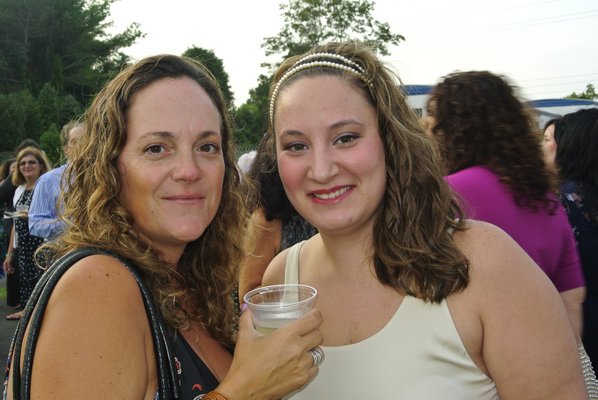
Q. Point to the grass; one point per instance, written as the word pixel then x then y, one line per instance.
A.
pixel 2 293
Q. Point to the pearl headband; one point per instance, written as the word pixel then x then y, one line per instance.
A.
pixel 338 62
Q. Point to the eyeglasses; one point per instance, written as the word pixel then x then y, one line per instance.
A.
pixel 30 162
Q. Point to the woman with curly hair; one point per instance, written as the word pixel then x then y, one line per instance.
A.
pixel 417 302
pixel 153 181
pixel 493 157
pixel 6 208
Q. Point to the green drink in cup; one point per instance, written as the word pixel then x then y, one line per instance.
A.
pixel 276 305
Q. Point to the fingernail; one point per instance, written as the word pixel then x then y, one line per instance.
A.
pixel 243 307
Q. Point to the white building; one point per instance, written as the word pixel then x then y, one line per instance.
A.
pixel 554 108
pixel 417 96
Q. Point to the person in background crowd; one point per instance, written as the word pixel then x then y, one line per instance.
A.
pixel 575 152
pixel 417 302
pixel 7 189
pixel 154 180
pixel 489 145
pixel 31 164
pixel 6 209
pixel 274 224
pixel 245 161
pixel 7 192
pixel 7 169
pixel 549 149
pixel 44 209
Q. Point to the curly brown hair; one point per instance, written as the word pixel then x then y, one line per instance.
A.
pixel 479 120
pixel 576 136
pixel 413 250
pixel 199 289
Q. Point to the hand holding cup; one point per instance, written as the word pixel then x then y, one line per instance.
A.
pixel 21 211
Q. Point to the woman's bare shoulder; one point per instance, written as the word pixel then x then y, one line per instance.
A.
pixel 100 277
pixel 492 252
pixel 526 340
pixel 104 287
pixel 96 311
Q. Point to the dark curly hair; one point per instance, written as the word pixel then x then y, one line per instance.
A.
pixel 478 120
pixel 265 187
pixel 199 289
pixel 413 250
pixel 576 136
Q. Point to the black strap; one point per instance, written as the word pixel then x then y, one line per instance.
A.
pixel 33 314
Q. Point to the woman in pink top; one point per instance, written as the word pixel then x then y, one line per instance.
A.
pixel 494 161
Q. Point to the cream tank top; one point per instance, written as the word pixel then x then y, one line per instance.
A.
pixel 418 355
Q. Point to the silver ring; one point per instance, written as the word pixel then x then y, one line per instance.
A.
pixel 317 355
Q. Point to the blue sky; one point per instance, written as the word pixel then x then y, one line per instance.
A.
pixel 546 47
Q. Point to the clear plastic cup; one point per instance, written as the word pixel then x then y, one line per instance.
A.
pixel 277 305
pixel 21 211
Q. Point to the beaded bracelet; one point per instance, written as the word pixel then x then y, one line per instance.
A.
pixel 214 395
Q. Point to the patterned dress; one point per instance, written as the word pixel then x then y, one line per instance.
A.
pixel 584 222
pixel 27 244
pixel 295 230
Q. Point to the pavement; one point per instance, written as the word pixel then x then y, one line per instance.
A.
pixel 7 329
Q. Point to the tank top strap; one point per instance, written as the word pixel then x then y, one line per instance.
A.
pixel 291 269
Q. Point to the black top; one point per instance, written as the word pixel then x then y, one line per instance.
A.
pixel 195 377
pixel 295 230
pixel 585 229
pixel 7 191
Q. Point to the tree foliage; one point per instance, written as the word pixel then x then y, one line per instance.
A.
pixel 589 94
pixel 247 126
pixel 311 22
pixel 251 119
pixel 23 116
pixel 216 67
pixel 307 23
pixel 18 118
pixel 54 56
pixel 61 42
pixel 49 141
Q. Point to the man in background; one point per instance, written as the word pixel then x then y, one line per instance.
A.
pixel 44 208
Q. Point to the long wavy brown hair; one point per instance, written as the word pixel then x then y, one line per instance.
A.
pixel 200 288
pixel 479 120
pixel 413 250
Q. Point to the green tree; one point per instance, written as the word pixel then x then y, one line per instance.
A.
pixel 589 94
pixel 247 132
pixel 49 105
pixel 50 143
pixel 61 42
pixel 307 23
pixel 54 55
pixel 311 22
pixel 251 119
pixel 19 119
pixel 71 109
pixel 216 67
